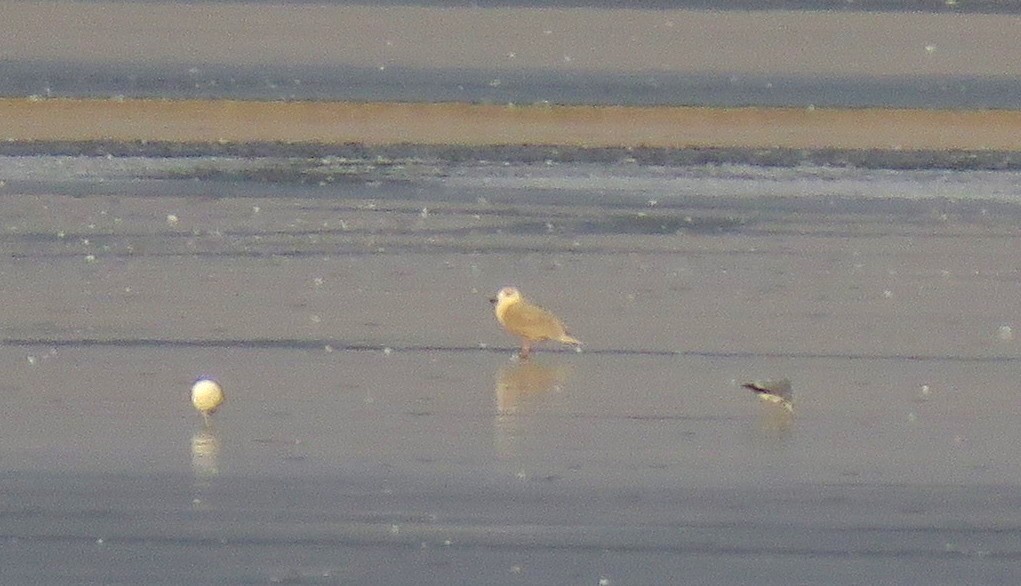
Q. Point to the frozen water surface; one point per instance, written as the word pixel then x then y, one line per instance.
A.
pixel 378 430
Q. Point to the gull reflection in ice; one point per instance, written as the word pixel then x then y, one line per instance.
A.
pixel 518 384
pixel 520 388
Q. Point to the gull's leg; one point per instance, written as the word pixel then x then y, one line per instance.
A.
pixel 526 350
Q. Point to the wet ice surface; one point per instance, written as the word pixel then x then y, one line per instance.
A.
pixel 377 429
pixel 322 465
pixel 665 184
pixel 526 174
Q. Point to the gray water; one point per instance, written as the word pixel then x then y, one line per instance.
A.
pixel 401 84
pixel 872 53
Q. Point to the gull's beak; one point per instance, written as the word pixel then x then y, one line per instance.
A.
pixel 492 299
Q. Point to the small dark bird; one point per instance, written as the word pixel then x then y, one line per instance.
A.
pixel 778 392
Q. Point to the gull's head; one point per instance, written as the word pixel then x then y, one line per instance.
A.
pixel 506 295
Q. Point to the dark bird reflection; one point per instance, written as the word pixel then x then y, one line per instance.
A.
pixel 520 388
pixel 777 423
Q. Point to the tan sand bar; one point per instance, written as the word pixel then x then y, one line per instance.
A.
pixel 472 124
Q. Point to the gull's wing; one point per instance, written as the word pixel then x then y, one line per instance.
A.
pixel 534 323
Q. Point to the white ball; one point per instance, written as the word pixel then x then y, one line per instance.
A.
pixel 206 395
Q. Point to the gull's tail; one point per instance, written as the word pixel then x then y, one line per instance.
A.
pixel 565 338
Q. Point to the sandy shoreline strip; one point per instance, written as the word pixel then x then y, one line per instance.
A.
pixel 230 121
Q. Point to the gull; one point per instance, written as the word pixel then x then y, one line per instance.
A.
pixel 207 396
pixel 528 322
pixel 778 392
